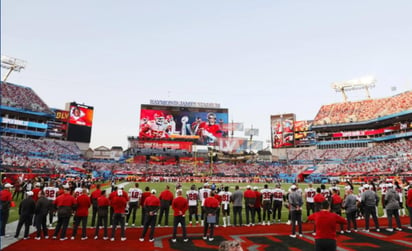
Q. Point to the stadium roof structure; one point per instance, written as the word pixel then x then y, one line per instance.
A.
pixel 355 84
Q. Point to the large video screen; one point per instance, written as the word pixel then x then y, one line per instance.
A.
pixel 282 128
pixel 80 123
pixel 81 115
pixel 204 125
pixel 303 135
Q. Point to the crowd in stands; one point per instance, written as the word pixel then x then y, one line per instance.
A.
pixel 22 97
pixel 363 110
pixel 49 156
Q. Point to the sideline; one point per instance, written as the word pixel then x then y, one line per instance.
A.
pixel 11 227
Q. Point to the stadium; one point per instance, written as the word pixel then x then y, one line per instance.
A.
pixel 367 141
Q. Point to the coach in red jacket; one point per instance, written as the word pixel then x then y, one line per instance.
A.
pixel 82 212
pixel 409 204
pixel 166 198
pixel 65 204
pixel 325 223
pixel 93 199
pixel 211 205
pixel 119 203
pixel 179 206
pixel 103 204
pixel 250 200
pixel 151 206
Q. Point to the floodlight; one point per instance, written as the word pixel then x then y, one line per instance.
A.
pixel 355 84
pixel 12 64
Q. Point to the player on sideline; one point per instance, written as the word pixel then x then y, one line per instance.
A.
pixel 193 198
pixel 203 194
pixel 226 197
pixel 310 193
pixel 179 206
pixel 266 204
pixel 50 193
pixel 278 197
pixel 135 195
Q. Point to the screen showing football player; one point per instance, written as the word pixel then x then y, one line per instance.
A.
pixel 210 130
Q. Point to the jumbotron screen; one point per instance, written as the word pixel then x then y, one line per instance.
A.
pixel 81 115
pixel 80 123
pixel 282 127
pixel 204 125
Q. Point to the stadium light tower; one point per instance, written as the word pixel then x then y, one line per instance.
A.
pixel 12 64
pixel 355 84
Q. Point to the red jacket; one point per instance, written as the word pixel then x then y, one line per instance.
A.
pixel 180 206
pixel 103 201
pixel 5 195
pixel 83 204
pixel 119 204
pixel 36 193
pixel 96 194
pixel 152 201
pixel 65 200
pixel 211 202
pixel 258 202
pixel 409 195
pixel 166 195
pixel 325 223
pixel 319 198
pixel 144 196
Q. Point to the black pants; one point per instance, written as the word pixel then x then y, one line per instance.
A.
pixel 266 210
pixel 77 221
pixel 118 219
pixel 143 215
pixel 111 212
pixel 41 224
pixel 4 218
pixel 310 208
pixel 394 212
pixel 193 211
pixel 176 221
pixel 258 212
pixel 62 223
pixel 296 215
pixel 250 214
pixel 351 218
pixel 165 211
pixel 94 214
pixel 277 208
pixel 25 220
pixel 206 228
pixel 325 245
pixel 237 213
pixel 101 221
pixel 51 210
pixel 132 211
pixel 368 211
pixel 150 220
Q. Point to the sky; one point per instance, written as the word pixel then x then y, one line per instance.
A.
pixel 256 58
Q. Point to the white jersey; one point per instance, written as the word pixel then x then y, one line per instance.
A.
pixel 51 193
pixel 203 194
pixel 334 188
pixel 310 193
pixel 266 194
pixel 325 193
pixel 135 194
pixel 78 191
pixel 383 187
pixel 192 197
pixel 278 194
pixel 400 193
pixel 225 199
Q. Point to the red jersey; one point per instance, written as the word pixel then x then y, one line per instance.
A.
pixel 180 206
pixel 325 223
pixel 83 204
